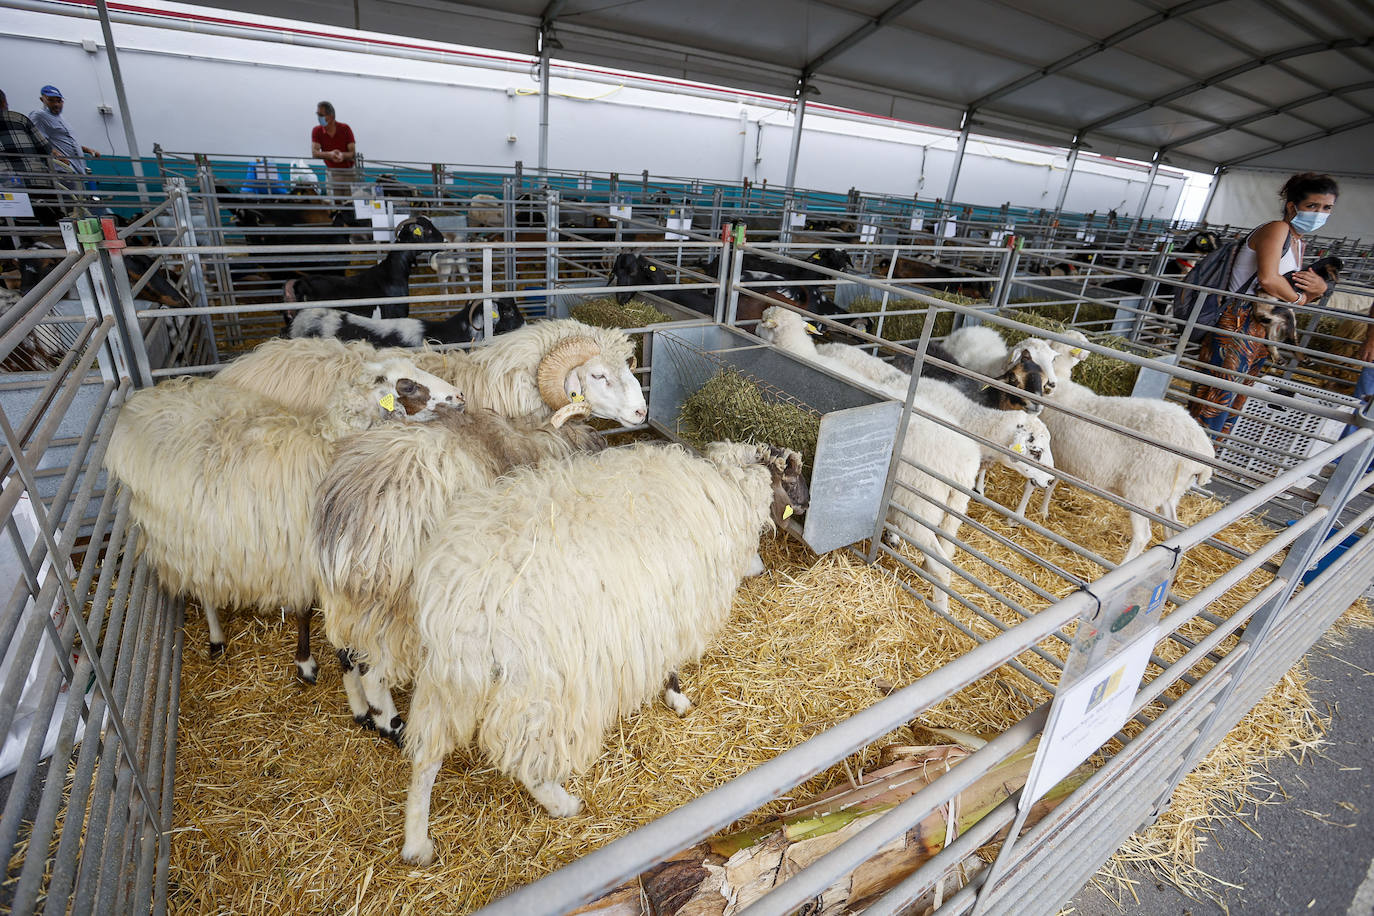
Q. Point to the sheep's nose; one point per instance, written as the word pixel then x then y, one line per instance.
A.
pixel 406 387
pixel 640 414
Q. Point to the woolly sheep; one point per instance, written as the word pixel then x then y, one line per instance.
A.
pixel 1143 473
pixel 535 369
pixel 222 484
pixel 927 507
pixel 382 500
pixel 544 621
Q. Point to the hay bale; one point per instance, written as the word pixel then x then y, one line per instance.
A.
pixel 730 406
pixel 1058 310
pixel 1102 374
pixel 605 312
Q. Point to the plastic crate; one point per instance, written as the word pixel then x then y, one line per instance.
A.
pixel 1268 439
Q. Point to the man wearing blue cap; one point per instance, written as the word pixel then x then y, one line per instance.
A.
pixel 48 120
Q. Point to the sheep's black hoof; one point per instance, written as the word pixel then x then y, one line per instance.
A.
pixel 366 721
pixel 396 732
pixel 216 649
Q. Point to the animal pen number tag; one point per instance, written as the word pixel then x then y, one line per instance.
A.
pixel 1110 651
pixel 799 219
pixel 918 221
pixel 15 203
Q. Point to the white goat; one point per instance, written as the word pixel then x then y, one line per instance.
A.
pixel 559 601
pixel 982 349
pixel 223 482
pixel 382 500
pixel 537 368
pixel 1146 473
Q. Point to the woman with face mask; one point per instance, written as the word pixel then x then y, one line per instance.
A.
pixel 1270 251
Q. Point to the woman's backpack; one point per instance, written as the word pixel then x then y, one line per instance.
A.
pixel 1213 271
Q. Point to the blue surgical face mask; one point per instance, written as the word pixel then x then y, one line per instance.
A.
pixel 324 122
pixel 1308 221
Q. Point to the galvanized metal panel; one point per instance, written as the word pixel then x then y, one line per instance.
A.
pixel 857 430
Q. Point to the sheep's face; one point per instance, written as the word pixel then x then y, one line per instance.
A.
pixel 403 380
pixel 1032 439
pixel 610 390
pixel 791 495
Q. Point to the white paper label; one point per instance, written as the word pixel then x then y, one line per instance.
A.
pixel 1090 712
pixel 384 224
pixel 918 222
pixel 868 234
pixel 799 219
pixel 15 203
pixel 951 226
pixel 1079 234
pixel 362 209
pixel 621 212
pixel 676 227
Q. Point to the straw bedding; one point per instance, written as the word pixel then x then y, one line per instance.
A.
pixel 284 805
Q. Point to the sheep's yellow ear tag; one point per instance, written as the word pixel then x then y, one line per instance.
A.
pixel 1018 448
pixel 653 269
pixel 812 329
pixel 388 402
pixel 416 231
pixel 1076 351
pixel 787 512
pixel 577 398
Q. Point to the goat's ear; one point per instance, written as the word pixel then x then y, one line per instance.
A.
pixel 634 363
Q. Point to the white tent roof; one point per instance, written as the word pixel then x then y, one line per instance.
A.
pixel 1283 84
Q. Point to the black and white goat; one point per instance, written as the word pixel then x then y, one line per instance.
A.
pixel 460 327
pixel 389 278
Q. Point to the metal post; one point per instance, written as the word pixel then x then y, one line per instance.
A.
pixel 1145 196
pixel 1211 193
pixel 543 102
pixel 181 209
pixel 723 277
pixel 959 156
pixel 122 98
pixel 508 193
pixel 112 364
pixel 796 136
pixel 1068 176
pixel 551 236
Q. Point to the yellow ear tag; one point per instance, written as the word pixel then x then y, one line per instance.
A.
pixel 787 512
pixel 653 269
pixel 416 231
pixel 811 328
pixel 388 403
pixel 1076 351
pixel 1018 448
pixel 577 398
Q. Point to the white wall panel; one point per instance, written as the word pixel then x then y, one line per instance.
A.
pixel 1247 197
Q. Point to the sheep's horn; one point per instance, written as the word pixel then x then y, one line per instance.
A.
pixel 557 363
pixel 567 412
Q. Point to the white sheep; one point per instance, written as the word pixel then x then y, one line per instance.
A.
pixel 559 601
pixel 222 483
pixel 927 507
pixel 537 368
pixel 381 501
pixel 1012 429
pixel 1149 474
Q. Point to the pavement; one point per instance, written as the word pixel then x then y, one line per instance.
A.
pixel 1314 854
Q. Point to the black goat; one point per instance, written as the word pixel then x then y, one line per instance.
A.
pixel 388 278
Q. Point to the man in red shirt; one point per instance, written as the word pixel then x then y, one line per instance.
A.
pixel 333 142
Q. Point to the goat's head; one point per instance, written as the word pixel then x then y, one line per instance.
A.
pixel 575 370
pixel 833 258
pixel 1204 242
pixel 1277 323
pixel 418 229
pixel 159 287
pixel 400 385
pixel 1328 268
pixel 1025 374
pixel 1043 355
pixel 629 269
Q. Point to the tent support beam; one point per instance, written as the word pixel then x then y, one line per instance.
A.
pixel 1068 176
pixel 959 156
pixel 795 151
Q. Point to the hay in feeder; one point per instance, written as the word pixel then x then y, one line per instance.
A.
pixel 283 805
pixel 1102 374
pixel 605 312
pixel 908 327
pixel 730 406
pixel 1077 313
